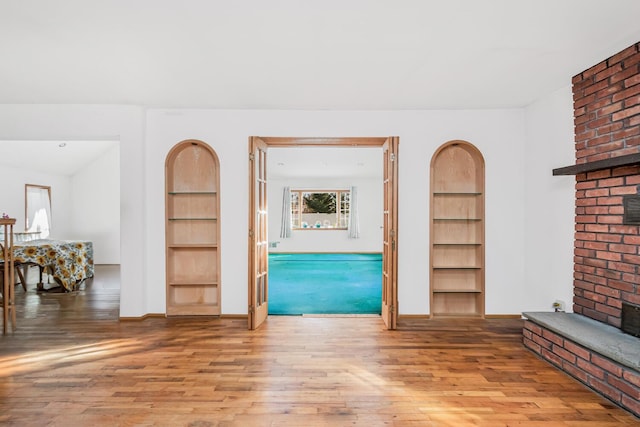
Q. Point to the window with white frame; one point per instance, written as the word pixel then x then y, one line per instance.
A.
pixel 38 209
pixel 320 209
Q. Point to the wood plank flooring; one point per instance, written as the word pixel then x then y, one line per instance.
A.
pixel 72 363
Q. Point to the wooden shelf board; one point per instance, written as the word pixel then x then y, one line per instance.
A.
pixel 179 246
pixel 474 315
pixel 194 283
pixel 612 162
pixel 456 244
pixel 206 306
pixel 457 291
pixel 192 309
pixel 462 193
pixel 193 219
pixel 455 267
pixel 458 219
pixel 177 193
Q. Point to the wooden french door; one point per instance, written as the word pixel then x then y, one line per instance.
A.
pixel 258 253
pixel 258 246
pixel 390 233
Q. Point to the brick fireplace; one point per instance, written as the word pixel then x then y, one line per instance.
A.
pixel 607 238
pixel 607 127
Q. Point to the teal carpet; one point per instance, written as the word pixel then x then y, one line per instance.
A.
pixel 325 284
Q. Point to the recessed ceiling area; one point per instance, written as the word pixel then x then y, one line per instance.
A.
pixel 291 54
pixel 323 162
pixel 55 157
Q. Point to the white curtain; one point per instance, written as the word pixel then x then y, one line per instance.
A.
pixel 354 222
pixel 285 225
pixel 39 210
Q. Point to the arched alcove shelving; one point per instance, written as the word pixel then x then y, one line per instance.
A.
pixel 457 231
pixel 192 206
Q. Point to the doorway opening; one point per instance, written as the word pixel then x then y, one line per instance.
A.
pixel 84 177
pixel 259 240
pixel 325 230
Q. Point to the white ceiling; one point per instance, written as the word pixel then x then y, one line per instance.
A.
pixel 314 162
pixel 54 157
pixel 292 54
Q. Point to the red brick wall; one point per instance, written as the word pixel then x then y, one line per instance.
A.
pixel 606 102
pixel 609 378
pixel 607 124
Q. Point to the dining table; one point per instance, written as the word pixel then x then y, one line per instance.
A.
pixel 69 262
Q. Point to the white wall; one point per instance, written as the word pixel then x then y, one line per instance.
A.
pixel 95 210
pixel 516 253
pixel 550 201
pixel 12 197
pixel 100 122
pixel 498 134
pixel 369 205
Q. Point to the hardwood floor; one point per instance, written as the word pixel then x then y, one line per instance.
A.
pixel 72 363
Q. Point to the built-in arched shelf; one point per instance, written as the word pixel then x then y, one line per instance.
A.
pixel 457 231
pixel 192 173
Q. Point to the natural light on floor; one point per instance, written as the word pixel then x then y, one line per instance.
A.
pixel 37 360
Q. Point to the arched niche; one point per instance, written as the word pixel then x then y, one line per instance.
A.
pixel 457 231
pixel 192 218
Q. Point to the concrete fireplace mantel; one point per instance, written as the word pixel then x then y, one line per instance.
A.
pixel 612 162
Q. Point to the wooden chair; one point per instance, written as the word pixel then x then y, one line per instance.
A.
pixel 18 268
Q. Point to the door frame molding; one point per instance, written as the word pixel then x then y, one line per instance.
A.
pixel 363 142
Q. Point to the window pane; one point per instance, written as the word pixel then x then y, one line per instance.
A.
pixel 345 199
pixel 38 207
pixel 319 202
pixel 319 210
pixel 295 209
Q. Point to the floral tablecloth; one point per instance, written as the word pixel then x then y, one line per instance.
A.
pixel 70 261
